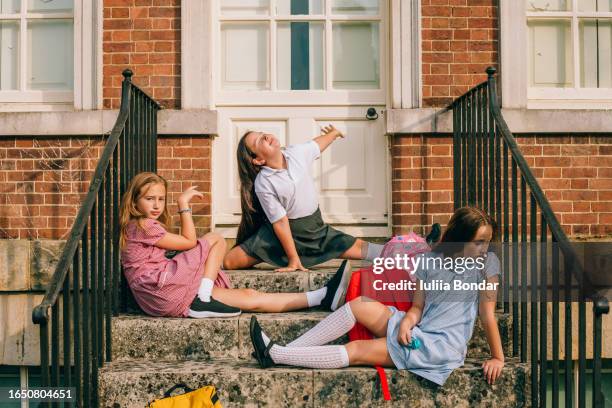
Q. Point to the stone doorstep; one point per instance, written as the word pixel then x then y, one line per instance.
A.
pixel 146 338
pixel 243 383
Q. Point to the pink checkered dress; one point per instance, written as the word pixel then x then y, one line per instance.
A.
pixel 162 286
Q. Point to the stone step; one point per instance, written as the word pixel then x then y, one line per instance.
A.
pixel 263 277
pixel 242 383
pixel 137 337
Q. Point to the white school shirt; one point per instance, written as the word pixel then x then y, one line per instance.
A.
pixel 289 191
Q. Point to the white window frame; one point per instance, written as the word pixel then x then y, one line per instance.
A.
pixel 404 51
pixel 516 92
pixel 87 88
pixel 300 97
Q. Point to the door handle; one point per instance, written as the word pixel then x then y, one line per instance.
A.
pixel 371 114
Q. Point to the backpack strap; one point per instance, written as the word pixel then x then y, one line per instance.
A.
pixel 214 398
pixel 181 385
pixel 384 385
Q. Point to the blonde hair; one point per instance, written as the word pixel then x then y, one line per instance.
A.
pixel 128 211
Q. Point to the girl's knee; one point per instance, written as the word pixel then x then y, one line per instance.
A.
pixel 215 239
pixel 250 298
pixel 357 303
pixel 354 349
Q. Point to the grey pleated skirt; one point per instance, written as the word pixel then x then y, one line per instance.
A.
pixel 315 241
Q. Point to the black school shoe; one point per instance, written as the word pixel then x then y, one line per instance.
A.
pixel 262 352
pixel 336 287
pixel 434 234
pixel 214 308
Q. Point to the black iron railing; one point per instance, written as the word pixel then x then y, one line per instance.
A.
pixel 490 172
pixel 85 284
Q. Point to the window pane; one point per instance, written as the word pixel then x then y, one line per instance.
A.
pixel 10 6
pixel 355 7
pixel 244 56
pixel 595 53
pixel 595 5
pixel 9 55
pixel 297 7
pixel 46 6
pixel 245 7
pixel 300 55
pixel 356 55
pixel 549 5
pixel 550 52
pixel 50 54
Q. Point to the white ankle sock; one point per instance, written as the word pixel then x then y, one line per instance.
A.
pixel 315 297
pixel 205 290
pixel 311 357
pixel 265 338
pixel 332 327
pixel 374 251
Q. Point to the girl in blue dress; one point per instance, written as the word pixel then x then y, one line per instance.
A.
pixel 444 309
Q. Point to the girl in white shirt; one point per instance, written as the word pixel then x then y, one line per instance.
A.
pixel 281 223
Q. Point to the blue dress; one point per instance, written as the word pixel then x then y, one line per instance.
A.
pixel 447 322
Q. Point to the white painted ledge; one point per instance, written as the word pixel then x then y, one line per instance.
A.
pixel 97 122
pixel 89 122
pixel 187 122
pixel 519 120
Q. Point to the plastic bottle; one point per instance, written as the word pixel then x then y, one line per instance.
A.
pixel 414 344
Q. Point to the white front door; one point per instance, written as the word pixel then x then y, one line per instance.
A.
pixel 289 67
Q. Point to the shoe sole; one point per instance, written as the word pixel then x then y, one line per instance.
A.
pixel 340 294
pixel 200 315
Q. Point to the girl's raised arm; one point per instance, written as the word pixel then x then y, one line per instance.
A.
pixel 488 299
pixel 330 133
pixel 187 239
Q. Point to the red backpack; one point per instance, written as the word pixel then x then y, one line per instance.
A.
pixel 361 284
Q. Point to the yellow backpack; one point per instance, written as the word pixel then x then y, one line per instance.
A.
pixel 205 397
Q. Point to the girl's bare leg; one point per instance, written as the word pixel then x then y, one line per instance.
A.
pixel 215 255
pixel 369 352
pixel 250 300
pixel 358 251
pixel 373 315
pixel 236 258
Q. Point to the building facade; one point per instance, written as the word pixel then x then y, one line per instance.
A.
pixel 382 71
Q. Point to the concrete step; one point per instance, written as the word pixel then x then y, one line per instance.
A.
pixel 242 383
pixel 137 337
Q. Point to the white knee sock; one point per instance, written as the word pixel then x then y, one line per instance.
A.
pixel 374 251
pixel 205 290
pixel 311 357
pixel 332 327
pixel 315 297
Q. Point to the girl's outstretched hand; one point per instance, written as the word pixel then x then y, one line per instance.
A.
pixel 188 195
pixel 404 335
pixel 492 369
pixel 294 265
pixel 330 129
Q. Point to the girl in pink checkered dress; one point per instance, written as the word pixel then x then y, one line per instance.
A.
pixel 191 284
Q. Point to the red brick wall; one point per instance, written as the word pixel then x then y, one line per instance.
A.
pixel 459 41
pixel 575 173
pixel 185 161
pixel 143 35
pixel 43 181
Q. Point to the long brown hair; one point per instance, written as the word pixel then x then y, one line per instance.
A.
pixel 128 211
pixel 462 228
pixel 252 214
